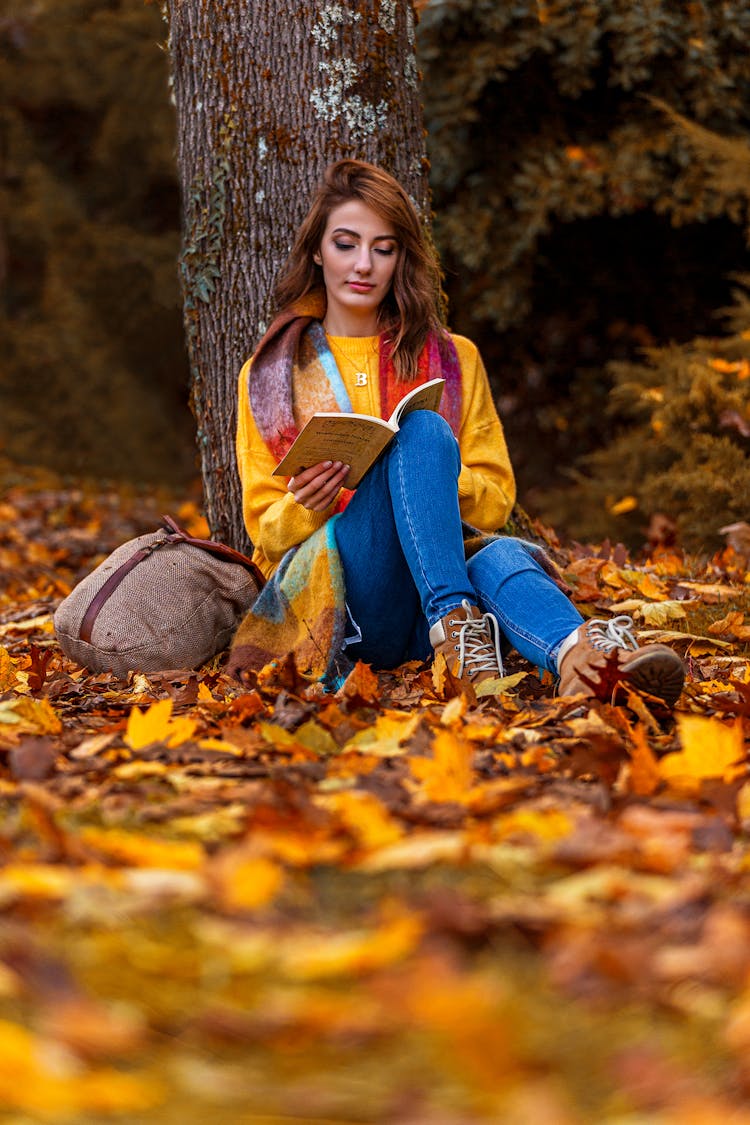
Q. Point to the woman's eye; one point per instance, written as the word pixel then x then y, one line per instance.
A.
pixel 343 245
pixel 386 253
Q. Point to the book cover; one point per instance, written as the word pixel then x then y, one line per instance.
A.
pixel 356 439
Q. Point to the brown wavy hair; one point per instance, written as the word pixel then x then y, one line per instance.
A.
pixel 411 308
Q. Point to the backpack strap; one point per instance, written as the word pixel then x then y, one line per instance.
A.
pixel 174 534
pixel 178 534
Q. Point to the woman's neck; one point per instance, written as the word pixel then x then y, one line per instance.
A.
pixel 337 325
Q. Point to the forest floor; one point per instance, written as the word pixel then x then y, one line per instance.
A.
pixel 260 904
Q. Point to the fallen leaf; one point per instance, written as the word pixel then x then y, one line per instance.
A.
pixel 8 670
pixel 157 725
pixel 710 749
pixel 500 684
pixel 644 776
pixel 315 956
pixel 447 775
pixel 131 849
pixel 365 817
pixel 34 1080
pixel 245 881
pixel 33 759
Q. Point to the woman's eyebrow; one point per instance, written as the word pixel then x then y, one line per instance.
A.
pixel 356 234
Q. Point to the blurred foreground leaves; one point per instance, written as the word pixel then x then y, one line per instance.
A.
pixel 259 903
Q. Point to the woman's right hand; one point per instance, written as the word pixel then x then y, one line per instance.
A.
pixel 317 487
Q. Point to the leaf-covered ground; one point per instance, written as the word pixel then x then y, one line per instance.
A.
pixel 256 903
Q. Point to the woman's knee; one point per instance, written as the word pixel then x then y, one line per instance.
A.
pixel 500 560
pixel 427 431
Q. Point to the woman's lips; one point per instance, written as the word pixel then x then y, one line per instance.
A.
pixel 360 286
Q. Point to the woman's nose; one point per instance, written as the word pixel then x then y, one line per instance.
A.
pixel 364 260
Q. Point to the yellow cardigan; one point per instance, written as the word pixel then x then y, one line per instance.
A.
pixel 486 488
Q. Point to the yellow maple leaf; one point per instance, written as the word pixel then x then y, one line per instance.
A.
pixel 646 584
pixel 386 737
pixel 26 714
pixel 7 670
pixel 500 685
pixel 710 749
pixel 447 775
pixel 157 725
pixel 659 614
pixel 365 816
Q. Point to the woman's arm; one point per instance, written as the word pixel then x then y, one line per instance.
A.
pixel 486 486
pixel 274 519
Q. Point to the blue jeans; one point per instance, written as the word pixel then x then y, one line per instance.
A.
pixel 401 545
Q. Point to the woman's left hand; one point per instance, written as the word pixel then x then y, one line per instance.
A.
pixel 317 487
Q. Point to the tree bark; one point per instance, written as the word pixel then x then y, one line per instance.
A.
pixel 267 94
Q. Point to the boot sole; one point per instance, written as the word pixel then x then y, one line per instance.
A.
pixel 657 673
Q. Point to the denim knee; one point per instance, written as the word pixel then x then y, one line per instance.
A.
pixel 505 557
pixel 427 432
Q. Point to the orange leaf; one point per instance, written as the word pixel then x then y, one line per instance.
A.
pixel 365 817
pixel 439 674
pixel 738 367
pixel 644 768
pixel 361 684
pixel 621 507
pixel 316 955
pixel 710 749
pixel 133 850
pixel 447 776
pixel 728 624
pixel 248 882
pixel 32 1082
pixel 583 577
pixel 7 670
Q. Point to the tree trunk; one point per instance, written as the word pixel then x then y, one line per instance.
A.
pixel 267 95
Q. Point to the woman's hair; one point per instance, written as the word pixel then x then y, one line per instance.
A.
pixel 411 308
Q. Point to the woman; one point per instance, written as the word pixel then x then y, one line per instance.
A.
pixel 384 570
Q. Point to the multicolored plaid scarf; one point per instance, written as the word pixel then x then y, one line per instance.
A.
pixel 301 609
pixel 294 374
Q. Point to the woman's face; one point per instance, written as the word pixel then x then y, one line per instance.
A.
pixel 358 255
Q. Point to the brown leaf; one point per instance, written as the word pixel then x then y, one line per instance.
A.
pixel 33 759
pixel 361 687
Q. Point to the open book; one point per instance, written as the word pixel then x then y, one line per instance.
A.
pixel 356 439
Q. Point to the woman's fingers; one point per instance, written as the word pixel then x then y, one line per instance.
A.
pixel 317 487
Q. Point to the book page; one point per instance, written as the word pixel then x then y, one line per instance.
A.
pixel 425 397
pixel 355 439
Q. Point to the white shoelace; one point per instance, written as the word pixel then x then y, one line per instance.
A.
pixel 478 643
pixel 608 635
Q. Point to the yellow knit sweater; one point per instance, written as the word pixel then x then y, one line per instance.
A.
pixel 486 488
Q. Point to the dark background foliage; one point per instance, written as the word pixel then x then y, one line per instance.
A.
pixel 578 218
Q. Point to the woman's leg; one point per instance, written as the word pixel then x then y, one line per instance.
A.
pixel 532 612
pixel 401 544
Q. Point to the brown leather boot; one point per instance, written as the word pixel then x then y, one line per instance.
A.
pixel 470 642
pixel 606 653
